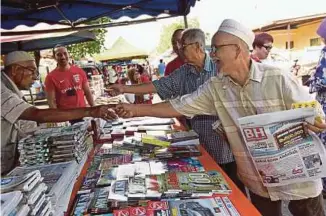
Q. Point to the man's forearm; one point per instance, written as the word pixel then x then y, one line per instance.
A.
pixel 144 88
pixel 54 115
pixel 52 104
pixel 163 110
pixel 89 98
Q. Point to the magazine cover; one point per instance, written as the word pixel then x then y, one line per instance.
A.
pixel 203 207
pixel 107 176
pixel 99 203
pixel 155 186
pixel 119 190
pixel 158 208
pixel 185 165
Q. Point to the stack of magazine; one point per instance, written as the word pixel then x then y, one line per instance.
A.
pixel 25 195
pixel 59 179
pixel 54 145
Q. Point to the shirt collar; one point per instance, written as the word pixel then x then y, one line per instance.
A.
pixel 207 65
pixel 11 85
pixel 256 74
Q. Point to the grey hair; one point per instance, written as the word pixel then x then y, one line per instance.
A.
pixel 193 35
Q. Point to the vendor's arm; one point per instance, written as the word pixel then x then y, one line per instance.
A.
pixel 199 102
pixel 58 115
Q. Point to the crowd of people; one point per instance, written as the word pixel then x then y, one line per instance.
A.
pixel 230 82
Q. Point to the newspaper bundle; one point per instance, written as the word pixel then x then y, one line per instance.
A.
pixel 282 148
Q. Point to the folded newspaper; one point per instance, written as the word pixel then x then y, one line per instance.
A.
pixel 282 148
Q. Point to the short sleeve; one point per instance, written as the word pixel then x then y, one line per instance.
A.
pixel 200 102
pixel 49 85
pixel 11 105
pixel 83 75
pixel 169 87
pixel 293 90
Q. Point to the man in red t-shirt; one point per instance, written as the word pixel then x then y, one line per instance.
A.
pixel 178 61
pixel 67 85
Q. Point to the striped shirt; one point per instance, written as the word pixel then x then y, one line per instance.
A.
pixel 186 80
pixel 268 90
pixel 12 106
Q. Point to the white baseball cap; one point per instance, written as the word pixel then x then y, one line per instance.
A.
pixel 17 56
pixel 237 29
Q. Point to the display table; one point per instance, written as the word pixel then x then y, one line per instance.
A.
pixel 239 200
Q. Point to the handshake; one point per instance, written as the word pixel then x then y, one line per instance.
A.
pixel 110 112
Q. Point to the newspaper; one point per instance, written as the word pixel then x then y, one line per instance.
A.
pixel 282 148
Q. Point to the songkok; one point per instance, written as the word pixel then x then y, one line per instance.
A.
pixel 17 56
pixel 237 29
pixel 321 31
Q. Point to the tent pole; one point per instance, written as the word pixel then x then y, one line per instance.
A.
pixel 185 21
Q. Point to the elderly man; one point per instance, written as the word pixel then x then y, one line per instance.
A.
pixel 262 45
pixel 19 74
pixel 198 68
pixel 178 61
pixel 244 88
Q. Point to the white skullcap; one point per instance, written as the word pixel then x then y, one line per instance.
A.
pixel 237 29
pixel 17 56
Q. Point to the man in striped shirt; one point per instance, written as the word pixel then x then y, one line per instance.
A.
pixel 19 74
pixel 245 88
pixel 198 68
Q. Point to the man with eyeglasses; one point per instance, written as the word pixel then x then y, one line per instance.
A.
pixel 177 61
pixel 262 46
pixel 19 74
pixel 67 85
pixel 242 88
pixel 198 68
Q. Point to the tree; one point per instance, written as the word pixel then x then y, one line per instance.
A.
pixel 80 50
pixel 167 31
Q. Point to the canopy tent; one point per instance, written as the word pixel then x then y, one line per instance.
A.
pixel 42 41
pixel 73 13
pixel 121 50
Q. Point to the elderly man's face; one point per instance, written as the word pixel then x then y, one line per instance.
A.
pixel 62 56
pixel 176 42
pixel 224 51
pixel 24 74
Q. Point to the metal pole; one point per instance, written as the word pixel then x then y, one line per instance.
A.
pixel 289 39
pixel 185 21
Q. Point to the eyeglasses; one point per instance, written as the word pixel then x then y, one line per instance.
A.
pixel 183 46
pixel 267 47
pixel 215 49
pixel 34 72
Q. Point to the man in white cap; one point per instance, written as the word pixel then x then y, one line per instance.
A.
pixel 19 74
pixel 242 88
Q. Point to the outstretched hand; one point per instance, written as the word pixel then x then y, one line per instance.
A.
pixel 105 112
pixel 115 90
pixel 125 110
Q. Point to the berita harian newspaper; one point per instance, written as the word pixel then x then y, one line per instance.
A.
pixel 284 151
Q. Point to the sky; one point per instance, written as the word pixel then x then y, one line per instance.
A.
pixel 210 13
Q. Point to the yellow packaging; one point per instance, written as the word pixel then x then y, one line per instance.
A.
pixel 311 104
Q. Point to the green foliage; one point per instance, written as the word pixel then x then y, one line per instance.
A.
pixel 167 31
pixel 80 50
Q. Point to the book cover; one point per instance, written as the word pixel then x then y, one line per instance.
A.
pixel 182 136
pixel 82 203
pixel 160 141
pixel 136 188
pixel 155 185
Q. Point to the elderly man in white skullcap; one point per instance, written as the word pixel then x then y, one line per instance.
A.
pixel 243 88
pixel 19 74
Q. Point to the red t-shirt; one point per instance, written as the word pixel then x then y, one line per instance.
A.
pixel 173 65
pixel 63 81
